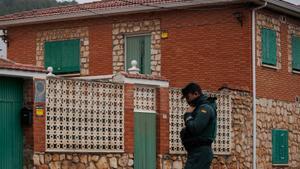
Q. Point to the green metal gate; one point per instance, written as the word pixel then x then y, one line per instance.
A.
pixel 11 134
pixel 144 140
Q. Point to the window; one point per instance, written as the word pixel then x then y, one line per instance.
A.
pixel 269 47
pixel 63 56
pixel 139 48
pixel 280 149
pixel 296 53
pixel 3 46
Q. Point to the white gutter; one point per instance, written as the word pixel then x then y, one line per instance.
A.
pixel 254 79
pixel 22 74
pixel 119 78
pixel 100 77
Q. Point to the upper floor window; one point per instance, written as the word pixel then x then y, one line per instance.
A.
pixel 269 47
pixel 139 48
pixel 63 56
pixel 3 46
pixel 296 53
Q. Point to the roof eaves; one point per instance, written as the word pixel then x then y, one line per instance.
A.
pixel 85 13
pixel 284 7
pixel 277 5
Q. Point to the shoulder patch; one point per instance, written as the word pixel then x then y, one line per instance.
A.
pixel 203 110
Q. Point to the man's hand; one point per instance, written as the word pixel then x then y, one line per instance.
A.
pixel 187 116
pixel 191 109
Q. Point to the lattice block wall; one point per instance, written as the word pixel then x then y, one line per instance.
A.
pixel 222 144
pixel 84 116
pixel 144 99
pixel 178 107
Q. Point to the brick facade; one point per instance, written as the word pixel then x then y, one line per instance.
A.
pixel 206 46
pixel 217 39
pixel 208 43
pixel 279 83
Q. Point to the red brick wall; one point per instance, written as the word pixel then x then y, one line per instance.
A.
pixel 207 46
pixel 100 34
pixel 22 43
pixel 207 50
pixel 279 84
pixel 129 118
pixel 162 123
pixel 204 46
pixel 39 131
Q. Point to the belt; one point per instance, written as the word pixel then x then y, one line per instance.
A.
pixel 189 144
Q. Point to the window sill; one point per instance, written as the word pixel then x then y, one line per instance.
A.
pixel 296 72
pixel 270 66
pixel 281 165
pixel 68 75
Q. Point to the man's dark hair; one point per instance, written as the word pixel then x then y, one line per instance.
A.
pixel 191 88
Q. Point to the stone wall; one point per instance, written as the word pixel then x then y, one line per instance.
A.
pixel 65 34
pixel 119 33
pixel 271 114
pixel 275 114
pixel 241 147
pixel 100 161
pixel 82 161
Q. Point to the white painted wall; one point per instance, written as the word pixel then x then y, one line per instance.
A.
pixel 3 48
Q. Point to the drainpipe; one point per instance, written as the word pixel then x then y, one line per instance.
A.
pixel 254 79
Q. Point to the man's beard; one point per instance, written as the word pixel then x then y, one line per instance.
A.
pixel 193 102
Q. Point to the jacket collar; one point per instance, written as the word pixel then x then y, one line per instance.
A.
pixel 201 100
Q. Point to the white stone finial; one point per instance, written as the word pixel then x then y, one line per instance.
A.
pixel 134 69
pixel 50 70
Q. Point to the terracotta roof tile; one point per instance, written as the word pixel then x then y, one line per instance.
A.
pixel 8 64
pixel 69 9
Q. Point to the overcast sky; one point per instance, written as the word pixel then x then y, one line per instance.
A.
pixel 292 1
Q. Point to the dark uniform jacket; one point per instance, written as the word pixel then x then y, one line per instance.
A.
pixel 200 132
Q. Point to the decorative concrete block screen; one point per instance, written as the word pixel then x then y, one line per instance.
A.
pixel 178 106
pixel 145 99
pixel 84 116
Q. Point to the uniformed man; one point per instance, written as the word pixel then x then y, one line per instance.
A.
pixel 200 127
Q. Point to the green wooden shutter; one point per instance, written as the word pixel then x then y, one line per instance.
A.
pixel 296 53
pixel 52 56
pixel 63 56
pixel 139 48
pixel 71 56
pixel 280 148
pixel 147 56
pixel 269 47
pixel 144 140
